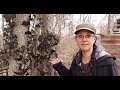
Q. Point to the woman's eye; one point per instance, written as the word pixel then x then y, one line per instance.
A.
pixel 88 36
pixel 80 36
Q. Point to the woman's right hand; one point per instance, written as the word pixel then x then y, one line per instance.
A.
pixel 54 60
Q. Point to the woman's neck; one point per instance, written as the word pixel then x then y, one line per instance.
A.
pixel 86 56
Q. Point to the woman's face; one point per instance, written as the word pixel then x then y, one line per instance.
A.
pixel 85 40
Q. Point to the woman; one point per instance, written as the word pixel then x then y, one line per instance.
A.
pixel 91 60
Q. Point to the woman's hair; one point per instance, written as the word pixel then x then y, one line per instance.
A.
pixel 93 53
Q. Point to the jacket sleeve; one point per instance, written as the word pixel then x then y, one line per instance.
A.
pixel 114 70
pixel 62 70
pixel 111 68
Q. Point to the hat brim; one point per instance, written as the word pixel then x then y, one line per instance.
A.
pixel 87 29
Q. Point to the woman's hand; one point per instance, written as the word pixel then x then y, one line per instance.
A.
pixel 54 60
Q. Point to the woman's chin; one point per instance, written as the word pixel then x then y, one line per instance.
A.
pixel 84 49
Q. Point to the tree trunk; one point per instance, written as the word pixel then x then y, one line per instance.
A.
pixel 110 24
pixel 19 30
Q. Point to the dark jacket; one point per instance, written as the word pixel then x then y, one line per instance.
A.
pixel 102 65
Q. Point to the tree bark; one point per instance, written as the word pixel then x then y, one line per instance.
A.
pixel 19 30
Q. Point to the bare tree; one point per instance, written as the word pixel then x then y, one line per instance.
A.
pixel 109 22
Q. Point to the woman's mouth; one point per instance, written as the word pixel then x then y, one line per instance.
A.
pixel 84 44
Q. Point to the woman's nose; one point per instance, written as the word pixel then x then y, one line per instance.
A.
pixel 84 39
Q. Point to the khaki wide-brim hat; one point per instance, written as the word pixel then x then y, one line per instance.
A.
pixel 85 26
